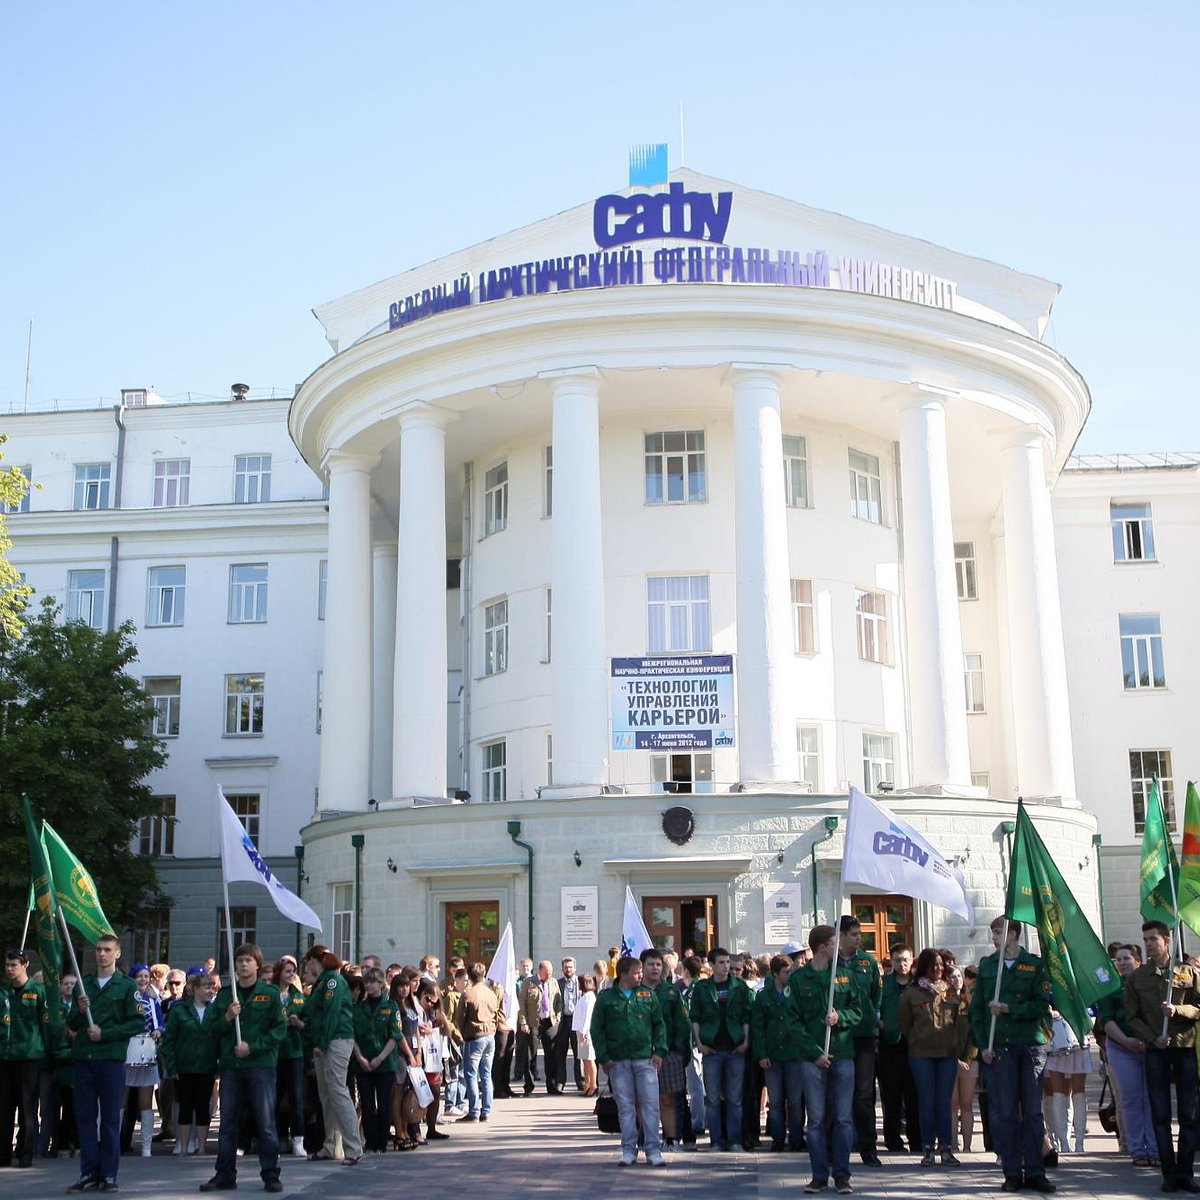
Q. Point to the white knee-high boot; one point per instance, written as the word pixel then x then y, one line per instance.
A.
pixel 1079 1119
pixel 147 1131
pixel 1054 1109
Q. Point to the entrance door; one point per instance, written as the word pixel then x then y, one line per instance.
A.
pixel 885 920
pixel 681 923
pixel 472 930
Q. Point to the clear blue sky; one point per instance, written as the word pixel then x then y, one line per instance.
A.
pixel 184 182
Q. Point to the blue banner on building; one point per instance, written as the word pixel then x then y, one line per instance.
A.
pixel 675 702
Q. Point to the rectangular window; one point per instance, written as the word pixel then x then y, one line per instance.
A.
pixel 1132 532
pixel 152 937
pixel 251 478
pixel 677 612
pixel 243 924
pixel 549 759
pixel 866 491
pixel 495 500
pixel 244 698
pixel 22 505
pixel 165 693
pixel 495 637
pixel 320 698
pixel 85 597
pixel 549 623
pixel 547 481
pixel 1144 765
pixel 247 593
pixel 248 806
pixel 322 588
pixel 981 779
pixel 685 773
pixel 965 573
pixel 804 639
pixel 973 681
pixel 676 470
pixel 808 748
pixel 870 611
pixel 879 760
pixel 165 595
pixel 171 479
pixel 795 472
pixel 156 835
pixel 1142 651
pixel 494 775
pixel 343 920
pixel 91 485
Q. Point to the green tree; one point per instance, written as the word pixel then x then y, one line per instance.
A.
pixel 74 736
pixel 13 592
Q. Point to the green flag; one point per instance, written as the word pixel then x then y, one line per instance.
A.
pixel 74 888
pixel 1160 867
pixel 1075 958
pixel 1189 870
pixel 45 910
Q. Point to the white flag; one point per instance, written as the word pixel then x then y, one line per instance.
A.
pixel 634 938
pixel 884 852
pixel 504 972
pixel 242 863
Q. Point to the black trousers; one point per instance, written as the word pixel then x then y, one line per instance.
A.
pixel 548 1036
pixel 898 1098
pixel 18 1089
pixel 864 1098
pixel 502 1061
pixel 567 1039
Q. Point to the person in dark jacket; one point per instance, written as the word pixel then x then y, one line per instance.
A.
pixel 189 1053
pixel 774 1037
pixel 720 1013
pixel 21 1058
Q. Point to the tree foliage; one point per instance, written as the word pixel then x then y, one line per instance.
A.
pixel 74 736
pixel 13 593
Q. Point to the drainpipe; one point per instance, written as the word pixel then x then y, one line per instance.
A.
pixel 114 544
pixel 358 840
pixel 514 832
pixel 1097 842
pixel 298 851
pixel 831 824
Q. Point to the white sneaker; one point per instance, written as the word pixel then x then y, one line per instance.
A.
pixel 655 1159
pixel 178 1148
pixel 298 1150
pixel 627 1160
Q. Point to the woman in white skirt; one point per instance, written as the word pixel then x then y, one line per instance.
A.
pixel 142 1075
pixel 581 1026
pixel 1064 1085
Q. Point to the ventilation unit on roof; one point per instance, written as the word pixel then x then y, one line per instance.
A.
pixel 239 392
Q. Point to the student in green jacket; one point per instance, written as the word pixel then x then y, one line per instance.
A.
pixel 864 966
pixel 21 1058
pixel 775 1039
pixel 289 1070
pixel 672 1081
pixel 377 1031
pixel 189 1054
pixel 329 1011
pixel 720 1010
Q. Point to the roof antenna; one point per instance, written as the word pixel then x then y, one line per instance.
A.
pixel 682 159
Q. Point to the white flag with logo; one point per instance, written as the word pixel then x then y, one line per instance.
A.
pixel 504 972
pixel 242 863
pixel 634 937
pixel 883 851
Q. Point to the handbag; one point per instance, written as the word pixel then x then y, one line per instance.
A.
pixel 142 1051
pixel 1107 1112
pixel 608 1119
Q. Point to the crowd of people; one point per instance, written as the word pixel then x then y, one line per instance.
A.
pixel 325 1060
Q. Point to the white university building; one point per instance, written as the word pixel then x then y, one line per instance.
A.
pixel 610 553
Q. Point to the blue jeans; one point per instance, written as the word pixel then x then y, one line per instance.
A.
pixel 252 1088
pixel 99 1087
pixel 477 1066
pixel 723 1072
pixel 785 1086
pixel 935 1079
pixel 1129 1076
pixel 635 1086
pixel 1014 1091
pixel 829 1090
pixel 1159 1065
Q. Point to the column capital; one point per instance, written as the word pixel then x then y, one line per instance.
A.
pixel 580 372
pixel 420 413
pixel 337 460
pixel 742 373
pixel 919 395
pixel 1023 436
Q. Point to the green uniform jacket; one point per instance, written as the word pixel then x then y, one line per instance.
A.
pixel 809 990
pixel 889 1009
pixel 630 1028
pixel 866 970
pixel 706 1012
pixel 679 1028
pixel 1026 989
pixel 775 1031
pixel 263 1029
pixel 115 1010
pixel 293 1040
pixel 189 1045
pixel 330 1010
pixel 374 1025
pixel 1145 991
pixel 26 1020
pixel 1112 1008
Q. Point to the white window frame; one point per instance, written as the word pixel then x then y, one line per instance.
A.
pixel 165 598
pixel 973 682
pixel 245 704
pixel 879 760
pixel 548 481
pixel 172 482
pixel 22 505
pixel 248 584
pixel 166 699
pixel 244 929
pixel 804 617
pixel 1132 532
pixel 679 455
pixel 871 620
pixel 495 637
pixel 1142 653
pixel 341 922
pixel 700 766
pixel 982 779
pixel 678 614
pixel 808 755
pixel 866 487
pixel 92 483
pixel 251 478
pixel 548 596
pixel 320 699
pixel 248 808
pixel 152 937
pixel 86 592
pixel 966 571
pixel 156 835
pixel 493 771
pixel 495 499
pixel 322 588
pixel 795 471
pixel 1141 773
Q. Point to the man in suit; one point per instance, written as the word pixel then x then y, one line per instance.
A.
pixel 540 1018
pixel 525 1062
pixel 568 985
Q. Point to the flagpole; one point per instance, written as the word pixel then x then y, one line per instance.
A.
pixel 237 1021
pixel 837 946
pixel 1000 952
pixel 25 931
pixel 1174 906
pixel 62 919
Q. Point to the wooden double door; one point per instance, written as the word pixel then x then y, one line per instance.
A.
pixel 681 923
pixel 885 920
pixel 472 930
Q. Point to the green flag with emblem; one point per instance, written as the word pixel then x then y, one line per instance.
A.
pixel 44 907
pixel 1160 867
pixel 74 888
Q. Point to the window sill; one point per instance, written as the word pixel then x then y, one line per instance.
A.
pixel 262 622
pixel 676 653
pixel 673 503
pixel 243 736
pixel 1137 562
pixel 805 653
pixel 490 675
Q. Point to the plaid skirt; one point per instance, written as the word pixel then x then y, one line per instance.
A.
pixel 672 1079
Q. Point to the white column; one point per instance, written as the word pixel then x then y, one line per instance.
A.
pixel 344 778
pixel 765 650
pixel 578 656
pixel 1041 715
pixel 940 753
pixel 419 695
pixel 383 625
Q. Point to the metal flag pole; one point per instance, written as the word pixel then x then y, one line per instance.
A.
pixel 237 1021
pixel 62 919
pixel 1175 907
pixel 837 939
pixel 25 931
